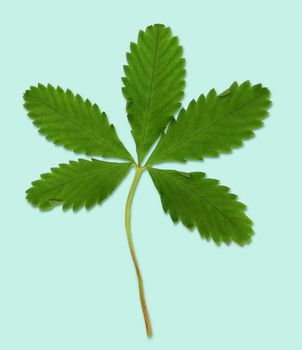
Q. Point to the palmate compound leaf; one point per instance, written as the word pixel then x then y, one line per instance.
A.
pixel 213 124
pixel 79 183
pixel 153 85
pixel 200 202
pixel 68 120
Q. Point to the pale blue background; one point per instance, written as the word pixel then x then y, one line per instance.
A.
pixel 67 281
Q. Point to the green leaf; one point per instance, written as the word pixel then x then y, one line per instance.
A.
pixel 214 124
pixel 68 120
pixel 79 183
pixel 153 88
pixel 153 85
pixel 200 202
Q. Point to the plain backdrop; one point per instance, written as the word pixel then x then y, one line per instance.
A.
pixel 67 280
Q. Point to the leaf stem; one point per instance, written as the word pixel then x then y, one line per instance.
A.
pixel 138 171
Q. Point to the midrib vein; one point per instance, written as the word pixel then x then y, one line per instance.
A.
pixel 181 185
pixel 146 120
pixel 209 126
pixel 79 126
pixel 77 179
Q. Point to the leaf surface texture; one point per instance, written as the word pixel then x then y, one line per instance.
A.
pixel 153 84
pixel 201 202
pixel 66 119
pixel 213 124
pixel 79 183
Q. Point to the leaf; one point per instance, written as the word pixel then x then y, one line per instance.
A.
pixel 200 202
pixel 68 120
pixel 214 124
pixel 153 88
pixel 79 183
pixel 153 85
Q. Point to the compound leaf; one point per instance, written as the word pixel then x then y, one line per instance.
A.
pixel 79 183
pixel 214 124
pixel 153 85
pixel 68 120
pixel 200 202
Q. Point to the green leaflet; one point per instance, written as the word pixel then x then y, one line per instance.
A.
pixel 213 124
pixel 197 201
pixel 68 120
pixel 79 183
pixel 153 85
